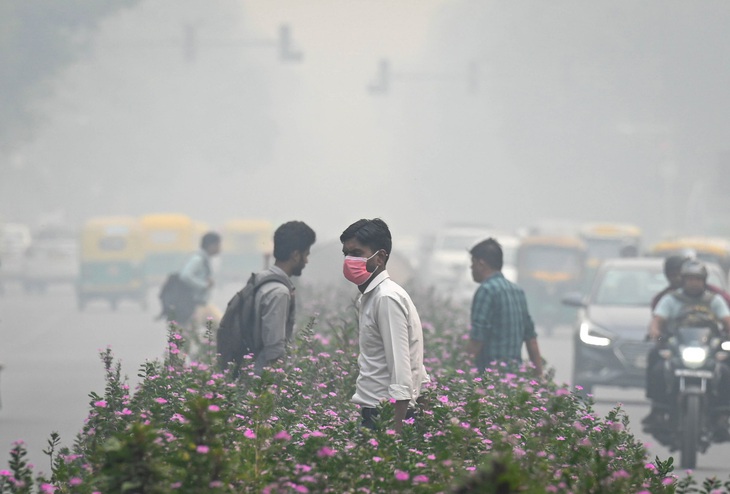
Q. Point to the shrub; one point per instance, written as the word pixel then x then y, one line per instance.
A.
pixel 188 428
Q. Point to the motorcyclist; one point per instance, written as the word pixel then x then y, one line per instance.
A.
pixel 672 267
pixel 693 293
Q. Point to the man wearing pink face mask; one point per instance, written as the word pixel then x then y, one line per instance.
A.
pixel 391 338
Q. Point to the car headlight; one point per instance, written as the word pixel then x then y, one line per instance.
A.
pixel 694 356
pixel 590 334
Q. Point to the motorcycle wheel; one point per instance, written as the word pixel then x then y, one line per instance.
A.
pixel 690 432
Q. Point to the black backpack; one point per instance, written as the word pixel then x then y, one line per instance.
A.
pixel 176 298
pixel 236 335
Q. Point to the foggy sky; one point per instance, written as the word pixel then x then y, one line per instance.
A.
pixel 565 122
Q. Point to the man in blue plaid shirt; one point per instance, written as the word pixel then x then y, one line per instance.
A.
pixel 500 322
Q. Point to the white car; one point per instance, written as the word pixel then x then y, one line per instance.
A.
pixel 51 259
pixel 448 268
pixel 14 240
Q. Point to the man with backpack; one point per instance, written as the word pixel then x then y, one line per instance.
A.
pixel 198 276
pixel 260 318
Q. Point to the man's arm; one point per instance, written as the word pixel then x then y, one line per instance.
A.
pixel 655 327
pixel 189 273
pixel 393 324
pixel 726 326
pixel 533 351
pixel 273 310
pixel 480 323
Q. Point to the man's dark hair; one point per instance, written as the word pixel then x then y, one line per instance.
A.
pixel 673 264
pixel 374 234
pixel 490 252
pixel 290 237
pixel 210 238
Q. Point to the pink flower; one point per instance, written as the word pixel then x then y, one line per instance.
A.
pixel 401 475
pixel 6 473
pixel 326 452
pixel 377 459
pixel 47 488
pixel 214 408
pixel 282 436
pixel 249 434
pixel 202 449
pixel 161 401
pixel 100 404
pixel 420 479
pixel 75 481
pixel 443 399
pixel 373 443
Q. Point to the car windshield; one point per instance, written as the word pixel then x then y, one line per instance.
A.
pixel 551 259
pixel 634 286
pixel 604 248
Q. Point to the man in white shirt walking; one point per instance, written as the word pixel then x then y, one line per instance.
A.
pixel 391 338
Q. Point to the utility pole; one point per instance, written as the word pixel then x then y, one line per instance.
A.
pixel 283 44
pixel 385 77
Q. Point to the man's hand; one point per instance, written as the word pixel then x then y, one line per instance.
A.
pixel 401 408
pixel 655 328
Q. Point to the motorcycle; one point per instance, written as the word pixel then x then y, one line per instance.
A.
pixel 692 360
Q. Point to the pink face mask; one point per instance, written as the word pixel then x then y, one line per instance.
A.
pixel 355 269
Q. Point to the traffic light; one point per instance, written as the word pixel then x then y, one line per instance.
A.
pixel 381 84
pixel 287 53
pixel 190 42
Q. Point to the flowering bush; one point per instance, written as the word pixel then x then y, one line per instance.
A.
pixel 188 428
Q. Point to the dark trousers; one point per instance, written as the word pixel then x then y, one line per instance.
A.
pixel 369 415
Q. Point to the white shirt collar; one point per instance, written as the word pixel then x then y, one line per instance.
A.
pixel 376 281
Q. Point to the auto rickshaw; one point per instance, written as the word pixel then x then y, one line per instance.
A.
pixel 168 240
pixel 111 266
pixel 715 249
pixel 608 241
pixel 547 268
pixel 247 247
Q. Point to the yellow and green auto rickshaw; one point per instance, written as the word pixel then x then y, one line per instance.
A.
pixel 111 263
pixel 607 241
pixel 547 268
pixel 168 240
pixel 714 249
pixel 247 247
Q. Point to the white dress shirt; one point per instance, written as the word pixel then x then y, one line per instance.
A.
pixel 391 345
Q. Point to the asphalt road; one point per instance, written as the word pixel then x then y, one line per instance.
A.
pixel 50 355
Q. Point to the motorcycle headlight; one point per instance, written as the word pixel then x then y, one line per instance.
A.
pixel 590 334
pixel 725 346
pixel 694 356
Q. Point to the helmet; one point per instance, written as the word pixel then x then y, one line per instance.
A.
pixel 693 267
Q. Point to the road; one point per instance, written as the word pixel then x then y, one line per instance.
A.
pixel 50 353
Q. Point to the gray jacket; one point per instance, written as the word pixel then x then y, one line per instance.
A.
pixel 275 312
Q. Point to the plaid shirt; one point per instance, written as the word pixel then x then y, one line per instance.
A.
pixel 500 320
